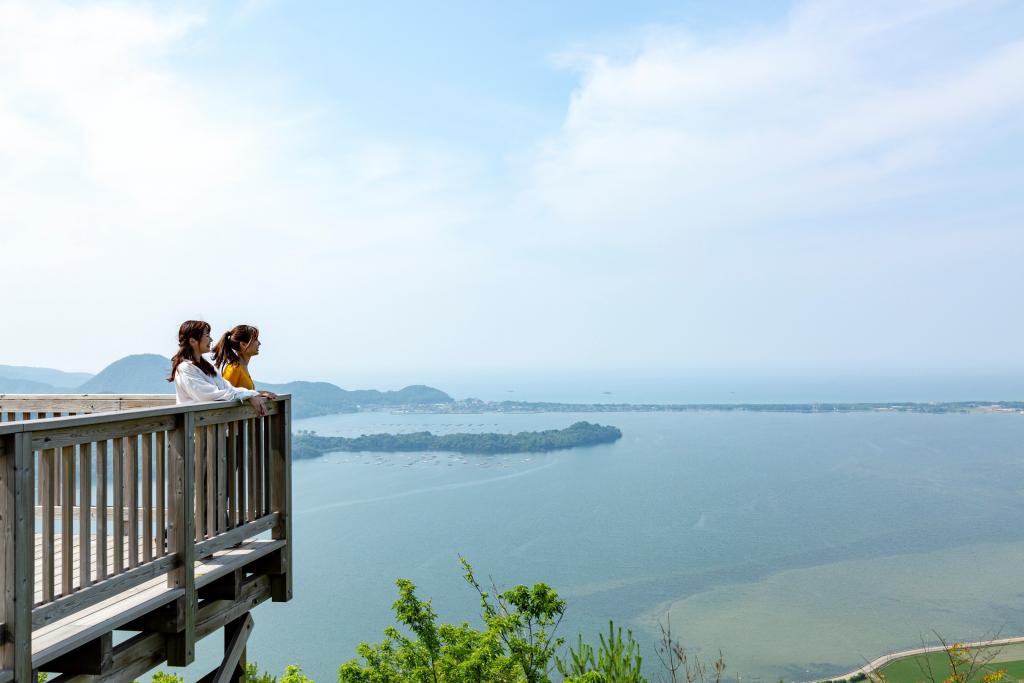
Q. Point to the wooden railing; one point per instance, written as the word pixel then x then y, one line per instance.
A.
pixel 99 494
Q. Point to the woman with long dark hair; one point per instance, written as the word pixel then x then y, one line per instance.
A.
pixel 232 354
pixel 195 379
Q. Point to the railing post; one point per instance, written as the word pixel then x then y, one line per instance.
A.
pixel 17 545
pixel 181 646
pixel 281 495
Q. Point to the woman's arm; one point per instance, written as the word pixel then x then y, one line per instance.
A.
pixel 200 387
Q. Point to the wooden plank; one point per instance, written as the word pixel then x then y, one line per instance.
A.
pixel 147 497
pixel 104 417
pixel 130 402
pixel 21 633
pixel 235 646
pixel 231 462
pixel 67 525
pixel 280 492
pixel 181 647
pixel 57 402
pixel 222 466
pixel 141 653
pixel 65 636
pixel 98 592
pixel 235 536
pixel 239 477
pixel 231 412
pixel 227 587
pixel 200 498
pixel 84 525
pixel 94 658
pixel 17 468
pixel 260 469
pixel 161 484
pixel 101 510
pixel 47 474
pixel 70 436
pixel 167 619
pixel 249 555
pixel 117 525
pixel 8 547
pixel 132 495
pixel 211 482
pixel 250 449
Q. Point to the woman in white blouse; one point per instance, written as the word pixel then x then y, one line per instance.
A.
pixel 195 379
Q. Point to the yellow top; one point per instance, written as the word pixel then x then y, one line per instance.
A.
pixel 238 375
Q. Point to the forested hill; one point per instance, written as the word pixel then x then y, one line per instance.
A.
pixel 323 398
pixel 311 445
pixel 147 374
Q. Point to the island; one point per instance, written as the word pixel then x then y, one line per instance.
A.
pixel 311 445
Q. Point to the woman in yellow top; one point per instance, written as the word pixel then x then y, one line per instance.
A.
pixel 232 354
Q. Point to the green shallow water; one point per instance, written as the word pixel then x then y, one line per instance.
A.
pixel 800 544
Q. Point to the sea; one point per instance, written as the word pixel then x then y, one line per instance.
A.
pixel 797 545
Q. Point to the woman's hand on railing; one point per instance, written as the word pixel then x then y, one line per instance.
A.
pixel 260 406
pixel 268 394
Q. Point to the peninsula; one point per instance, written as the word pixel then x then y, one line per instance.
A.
pixel 311 445
pixel 473 406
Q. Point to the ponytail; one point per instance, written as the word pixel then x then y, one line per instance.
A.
pixel 191 329
pixel 229 347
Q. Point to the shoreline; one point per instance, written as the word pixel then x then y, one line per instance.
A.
pixel 879 662
pixel 474 407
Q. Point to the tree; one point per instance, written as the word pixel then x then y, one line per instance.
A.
pixel 516 644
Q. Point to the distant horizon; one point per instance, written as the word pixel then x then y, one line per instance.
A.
pixel 675 385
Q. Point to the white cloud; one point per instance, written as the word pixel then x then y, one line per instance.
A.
pixel 846 104
pixel 702 201
pixel 137 194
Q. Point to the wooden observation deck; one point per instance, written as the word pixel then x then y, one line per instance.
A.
pixel 131 513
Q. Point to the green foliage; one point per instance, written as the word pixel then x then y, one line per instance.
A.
pixel 517 643
pixel 253 675
pixel 293 674
pixel 617 660
pixel 41 677
pixel 525 619
pixel 161 677
pixel 309 444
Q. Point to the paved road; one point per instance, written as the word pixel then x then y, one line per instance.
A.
pixel 876 664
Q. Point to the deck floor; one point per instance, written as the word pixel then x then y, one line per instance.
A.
pixel 63 635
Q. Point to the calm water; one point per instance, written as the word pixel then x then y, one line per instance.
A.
pixel 798 544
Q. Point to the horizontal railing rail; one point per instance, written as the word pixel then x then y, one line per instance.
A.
pixel 99 494
pixel 19 407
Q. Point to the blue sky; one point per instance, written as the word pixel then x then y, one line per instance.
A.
pixel 818 187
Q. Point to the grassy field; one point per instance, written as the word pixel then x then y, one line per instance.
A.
pixel 914 669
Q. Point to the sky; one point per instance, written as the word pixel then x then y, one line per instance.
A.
pixel 404 189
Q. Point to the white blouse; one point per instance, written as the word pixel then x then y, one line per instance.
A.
pixel 192 385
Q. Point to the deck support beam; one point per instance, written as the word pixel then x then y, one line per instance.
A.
pixel 231 670
pixel 181 646
pixel 95 658
pixel 167 619
pixel 17 542
pixel 280 463
pixel 227 587
pixel 142 653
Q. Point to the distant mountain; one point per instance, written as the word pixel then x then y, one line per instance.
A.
pixel 324 398
pixel 145 373
pixel 9 385
pixel 54 378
